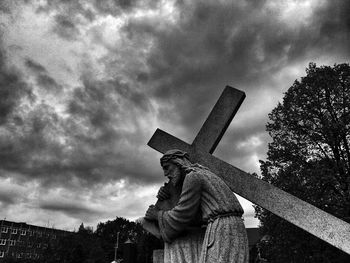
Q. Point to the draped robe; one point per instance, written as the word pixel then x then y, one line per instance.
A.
pixel 206 194
pixel 186 248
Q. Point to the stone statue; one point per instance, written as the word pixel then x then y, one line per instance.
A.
pixel 205 199
pixel 188 245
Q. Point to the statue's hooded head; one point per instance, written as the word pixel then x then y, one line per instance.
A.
pixel 178 157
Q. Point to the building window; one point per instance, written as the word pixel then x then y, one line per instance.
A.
pixel 14 231
pixel 30 232
pixel 2 254
pixel 4 229
pixel 12 242
pixel 23 232
pixel 2 241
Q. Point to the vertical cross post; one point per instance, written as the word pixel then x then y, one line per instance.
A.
pixel 218 120
pixel 313 220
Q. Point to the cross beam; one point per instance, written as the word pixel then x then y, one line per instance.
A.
pixel 300 213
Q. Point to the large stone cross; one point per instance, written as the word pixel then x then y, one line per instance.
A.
pixel 302 214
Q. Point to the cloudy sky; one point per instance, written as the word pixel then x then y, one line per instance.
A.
pixel 84 84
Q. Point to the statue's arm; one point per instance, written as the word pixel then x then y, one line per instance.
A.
pixel 173 222
pixel 150 226
pixel 170 197
pixel 166 201
pixel 163 193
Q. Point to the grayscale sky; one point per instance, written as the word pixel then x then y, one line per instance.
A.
pixel 84 84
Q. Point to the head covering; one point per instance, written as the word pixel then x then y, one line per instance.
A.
pixel 173 154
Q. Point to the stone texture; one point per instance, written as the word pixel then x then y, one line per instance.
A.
pixel 218 120
pixel 185 248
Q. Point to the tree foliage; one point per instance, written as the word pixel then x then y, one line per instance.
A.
pixel 309 157
pixel 108 231
pixel 82 246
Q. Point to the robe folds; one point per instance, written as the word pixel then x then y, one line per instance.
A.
pixel 205 193
pixel 185 249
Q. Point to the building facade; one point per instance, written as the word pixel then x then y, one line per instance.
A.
pixel 24 241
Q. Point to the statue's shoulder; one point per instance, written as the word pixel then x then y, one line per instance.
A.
pixel 195 175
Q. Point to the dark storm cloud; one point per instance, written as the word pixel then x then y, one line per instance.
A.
pixel 5 7
pixel 118 7
pixel 65 27
pixel 191 61
pixel 30 147
pixel 31 137
pixel 70 208
pixel 99 102
pixel 93 145
pixel 12 88
pixel 106 108
pixel 89 8
pixel 230 42
pixel 43 79
pixel 70 14
pixel 333 25
pixel 241 44
pixel 114 7
pixel 7 198
pixel 48 83
pixel 39 154
pixel 34 66
pixel 69 8
pixel 9 194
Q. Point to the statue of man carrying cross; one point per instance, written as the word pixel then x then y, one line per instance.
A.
pixel 313 220
pixel 206 194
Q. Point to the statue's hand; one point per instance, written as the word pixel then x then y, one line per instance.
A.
pixel 163 194
pixel 152 213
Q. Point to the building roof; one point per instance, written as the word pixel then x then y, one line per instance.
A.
pixel 6 223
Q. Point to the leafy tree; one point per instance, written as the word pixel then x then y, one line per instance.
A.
pixel 108 234
pixel 108 231
pixel 145 246
pixel 309 157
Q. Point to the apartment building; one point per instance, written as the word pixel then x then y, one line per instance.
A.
pixel 21 240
